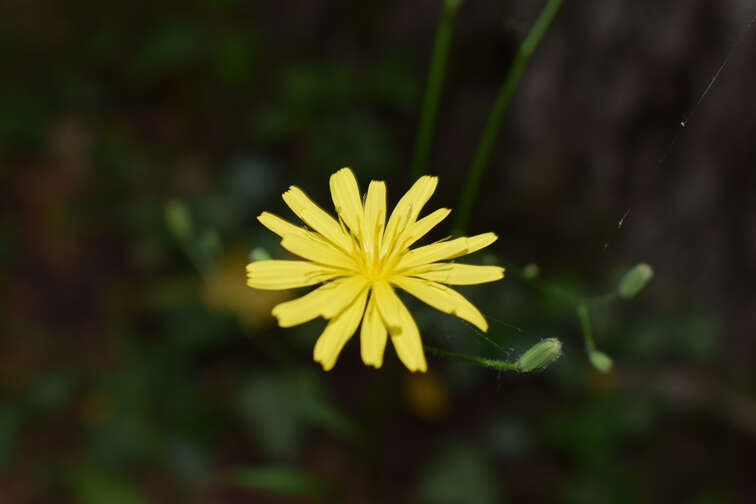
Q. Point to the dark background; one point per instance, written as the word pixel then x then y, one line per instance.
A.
pixel 137 367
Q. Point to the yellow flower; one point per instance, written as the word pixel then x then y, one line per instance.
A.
pixel 359 260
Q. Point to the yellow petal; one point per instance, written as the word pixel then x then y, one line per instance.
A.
pixel 406 211
pixel 431 253
pixel 283 227
pixel 444 250
pixel 477 242
pixel 326 301
pixel 317 218
pixel 277 274
pixel 458 274
pixel 375 217
pixel 401 326
pixel 372 335
pixel 442 298
pixel 338 331
pixel 317 251
pixel 341 297
pixel 346 198
pixel 424 225
pixel 409 346
pixel 388 306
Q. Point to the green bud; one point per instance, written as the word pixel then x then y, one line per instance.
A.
pixel 634 280
pixel 530 271
pixel 178 219
pixel 540 355
pixel 259 254
pixel 600 361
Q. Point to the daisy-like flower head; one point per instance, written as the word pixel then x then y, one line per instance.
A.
pixel 359 259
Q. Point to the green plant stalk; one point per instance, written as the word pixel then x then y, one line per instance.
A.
pixel 436 74
pixel 585 326
pixel 493 363
pixel 496 117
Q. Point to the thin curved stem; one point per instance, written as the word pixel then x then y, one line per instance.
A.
pixel 585 327
pixel 496 117
pixel 492 363
pixel 436 74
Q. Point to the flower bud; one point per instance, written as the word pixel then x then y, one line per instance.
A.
pixel 530 271
pixel 634 280
pixel 178 219
pixel 600 361
pixel 540 355
pixel 258 254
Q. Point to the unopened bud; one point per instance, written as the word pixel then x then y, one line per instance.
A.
pixel 634 280
pixel 258 254
pixel 178 219
pixel 540 355
pixel 530 271
pixel 600 361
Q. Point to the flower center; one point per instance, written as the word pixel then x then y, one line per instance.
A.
pixel 373 269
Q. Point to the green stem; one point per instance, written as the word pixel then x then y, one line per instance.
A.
pixel 585 326
pixel 496 117
pixel 497 364
pixel 436 73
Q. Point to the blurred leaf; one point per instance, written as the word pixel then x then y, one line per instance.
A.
pixel 188 462
pixel 610 483
pixel 179 220
pixel 277 480
pixel 270 410
pixel 24 118
pixel 394 83
pixel 93 486
pixel 713 496
pixel 317 87
pixel 51 392
pixel 7 243
pixel 235 55
pixel 272 124
pixel 208 244
pixel 316 406
pixel 279 408
pixel 509 437
pixel 169 46
pixel 126 436
pixel 9 426
pixel 592 434
pixel 460 474
pixel 693 334
pixel 356 140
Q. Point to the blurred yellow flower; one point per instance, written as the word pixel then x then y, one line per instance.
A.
pixel 223 290
pixel 359 259
pixel 426 396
